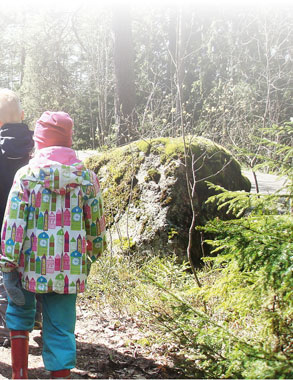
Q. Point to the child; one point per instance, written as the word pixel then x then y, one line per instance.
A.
pixel 16 143
pixel 54 222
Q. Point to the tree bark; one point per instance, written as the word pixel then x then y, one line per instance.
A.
pixel 124 71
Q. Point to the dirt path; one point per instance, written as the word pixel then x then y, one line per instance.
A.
pixel 268 183
pixel 106 349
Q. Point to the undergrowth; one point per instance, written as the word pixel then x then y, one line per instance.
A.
pixel 245 334
pixel 239 323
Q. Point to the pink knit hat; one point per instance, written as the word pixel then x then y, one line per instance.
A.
pixel 53 128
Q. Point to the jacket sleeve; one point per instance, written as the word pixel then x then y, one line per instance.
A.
pixel 14 226
pixel 94 220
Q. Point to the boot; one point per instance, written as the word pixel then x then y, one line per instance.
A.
pixel 19 353
pixel 61 374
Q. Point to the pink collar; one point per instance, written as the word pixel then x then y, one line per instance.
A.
pixel 61 154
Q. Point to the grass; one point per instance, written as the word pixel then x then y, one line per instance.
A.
pixel 230 341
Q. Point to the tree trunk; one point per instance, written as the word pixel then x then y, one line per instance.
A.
pixel 172 39
pixel 180 64
pixel 124 70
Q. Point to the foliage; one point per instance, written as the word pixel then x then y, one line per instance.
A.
pixel 278 140
pixel 269 149
pixel 255 258
pixel 232 66
pixel 236 339
pixel 239 323
pixel 234 72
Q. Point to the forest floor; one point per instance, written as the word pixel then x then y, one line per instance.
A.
pixel 106 349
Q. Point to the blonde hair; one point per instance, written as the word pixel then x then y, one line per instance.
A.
pixel 10 107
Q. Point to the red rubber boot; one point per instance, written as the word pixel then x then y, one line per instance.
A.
pixel 61 374
pixel 19 353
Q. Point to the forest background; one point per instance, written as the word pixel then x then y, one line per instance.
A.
pixel 222 70
pixel 126 69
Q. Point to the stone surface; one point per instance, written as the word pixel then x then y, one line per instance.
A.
pixel 145 192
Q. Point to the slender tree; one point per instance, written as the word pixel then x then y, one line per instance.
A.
pixel 124 70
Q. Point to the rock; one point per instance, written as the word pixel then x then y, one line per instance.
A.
pixel 145 193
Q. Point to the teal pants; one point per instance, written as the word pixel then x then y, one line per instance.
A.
pixel 59 316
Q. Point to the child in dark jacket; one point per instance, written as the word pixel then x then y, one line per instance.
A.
pixel 54 223
pixel 16 143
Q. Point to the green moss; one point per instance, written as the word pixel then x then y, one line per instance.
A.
pixel 120 166
pixel 118 177
pixel 125 243
pixel 170 170
pixel 163 159
pixel 173 148
pixel 153 175
pixel 172 233
pixel 96 162
pixel 144 146
pixel 247 184
pixel 169 147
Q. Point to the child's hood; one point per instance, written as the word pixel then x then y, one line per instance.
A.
pixel 56 169
pixel 58 178
pixel 16 141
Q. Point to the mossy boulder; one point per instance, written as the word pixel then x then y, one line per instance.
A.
pixel 145 191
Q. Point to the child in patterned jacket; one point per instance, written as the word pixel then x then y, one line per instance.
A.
pixel 54 223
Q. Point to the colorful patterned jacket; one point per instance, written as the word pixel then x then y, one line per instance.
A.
pixel 54 223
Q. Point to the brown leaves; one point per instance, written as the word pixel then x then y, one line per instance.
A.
pixel 108 346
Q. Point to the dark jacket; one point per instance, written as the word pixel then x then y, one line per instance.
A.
pixel 16 143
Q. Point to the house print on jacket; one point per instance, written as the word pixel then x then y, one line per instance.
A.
pixel 43 244
pixel 14 205
pixel 45 202
pixel 76 217
pixel 54 220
